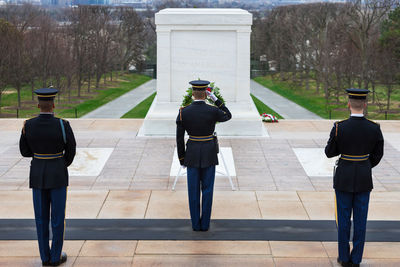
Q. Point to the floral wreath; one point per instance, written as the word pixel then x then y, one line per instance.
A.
pixel 187 99
pixel 269 117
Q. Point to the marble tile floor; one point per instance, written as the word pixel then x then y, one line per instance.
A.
pixel 283 162
pixel 167 204
pixel 272 183
pixel 198 253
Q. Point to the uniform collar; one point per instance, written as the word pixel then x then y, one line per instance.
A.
pixel 357 118
pixel 198 102
pixel 357 115
pixel 46 114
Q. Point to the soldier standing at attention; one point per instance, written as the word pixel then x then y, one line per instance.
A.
pixel 359 142
pixel 51 144
pixel 198 120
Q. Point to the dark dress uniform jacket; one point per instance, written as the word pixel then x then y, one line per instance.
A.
pixel 355 136
pixel 199 119
pixel 43 135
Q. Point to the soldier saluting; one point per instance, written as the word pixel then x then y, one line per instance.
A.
pixel 359 142
pixel 200 157
pixel 51 144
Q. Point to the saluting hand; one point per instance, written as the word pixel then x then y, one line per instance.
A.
pixel 211 95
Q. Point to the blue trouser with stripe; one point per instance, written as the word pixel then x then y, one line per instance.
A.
pixel 348 203
pixel 44 201
pixel 200 178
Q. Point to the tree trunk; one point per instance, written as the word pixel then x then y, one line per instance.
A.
pixel 19 93
pixel 326 91
pixel 33 88
pixel 98 78
pixel 307 78
pixel 89 82
pixel 79 84
pixel 69 88
pixel 373 91
pixel 339 86
pixel 389 91
pixel 111 76
pixel 122 70
pixel 58 86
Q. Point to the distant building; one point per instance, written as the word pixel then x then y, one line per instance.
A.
pixel 296 2
pixel 90 2
pixel 55 2
pixel 134 3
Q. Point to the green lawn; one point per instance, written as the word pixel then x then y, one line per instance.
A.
pixel 315 101
pixel 141 109
pixel 262 108
pixel 65 108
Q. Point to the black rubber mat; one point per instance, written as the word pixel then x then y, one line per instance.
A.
pixel 173 229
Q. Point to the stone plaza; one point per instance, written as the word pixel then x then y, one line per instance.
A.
pixel 131 179
pixel 273 204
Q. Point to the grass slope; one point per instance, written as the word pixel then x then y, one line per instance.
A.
pixel 315 101
pixel 88 101
pixel 141 109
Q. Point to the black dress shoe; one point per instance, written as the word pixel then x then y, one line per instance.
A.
pixel 355 265
pixel 61 261
pixel 204 230
pixel 343 263
pixel 46 263
pixel 196 230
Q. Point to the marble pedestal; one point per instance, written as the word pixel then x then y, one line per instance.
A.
pixel 210 44
pixel 160 120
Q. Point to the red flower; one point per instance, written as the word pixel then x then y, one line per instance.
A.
pixel 209 89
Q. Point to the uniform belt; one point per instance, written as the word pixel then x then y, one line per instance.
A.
pixel 354 157
pixel 201 138
pixel 48 156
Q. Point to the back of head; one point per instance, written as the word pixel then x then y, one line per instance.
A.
pixel 357 104
pixel 199 95
pixel 46 105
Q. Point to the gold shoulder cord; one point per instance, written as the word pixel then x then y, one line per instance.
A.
pixel 180 113
pixel 23 128
pixel 337 126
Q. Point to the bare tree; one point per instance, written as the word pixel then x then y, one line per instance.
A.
pixel 22 17
pixel 130 38
pixel 8 33
pixel 363 18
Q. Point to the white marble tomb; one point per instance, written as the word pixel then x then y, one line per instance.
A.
pixel 211 44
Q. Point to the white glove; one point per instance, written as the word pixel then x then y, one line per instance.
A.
pixel 183 167
pixel 211 95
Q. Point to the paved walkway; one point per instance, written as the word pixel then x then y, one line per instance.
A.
pixel 286 108
pixel 118 107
